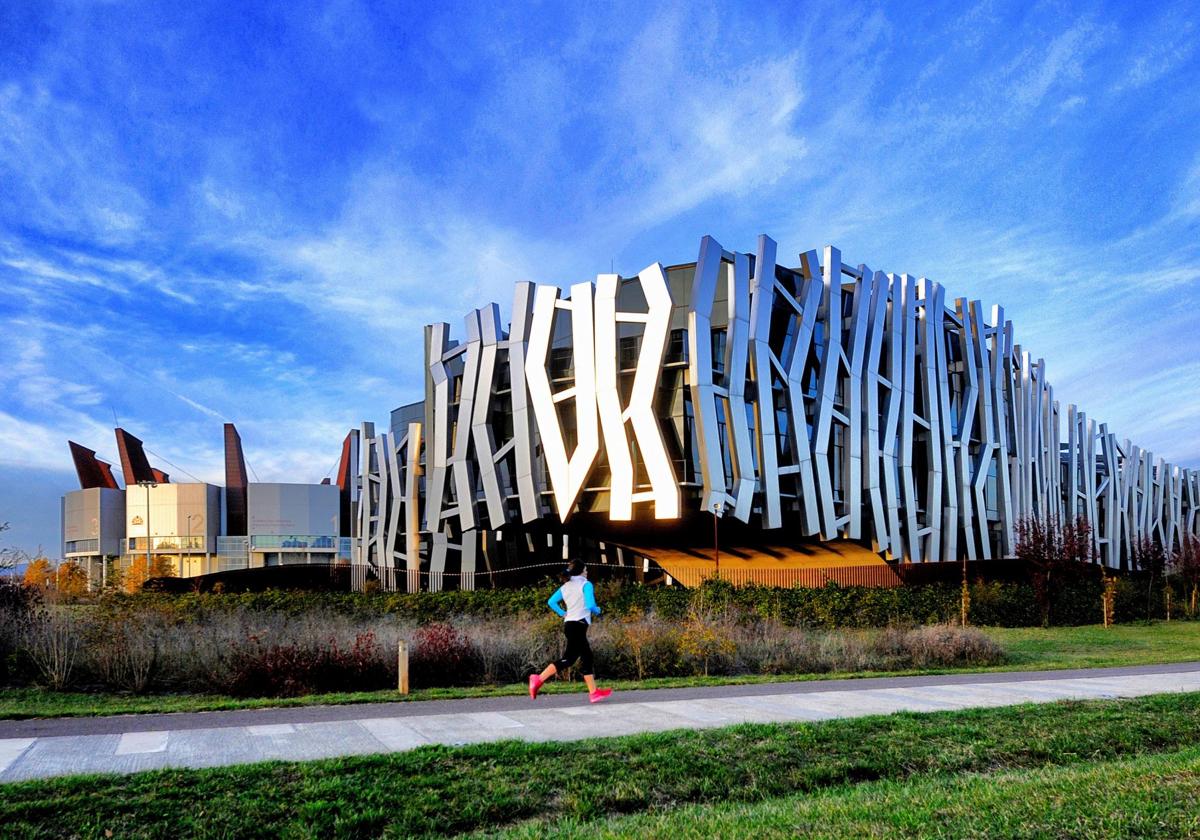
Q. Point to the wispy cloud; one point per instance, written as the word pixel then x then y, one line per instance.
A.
pixel 197 225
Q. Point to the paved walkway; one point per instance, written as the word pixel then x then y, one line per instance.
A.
pixel 35 749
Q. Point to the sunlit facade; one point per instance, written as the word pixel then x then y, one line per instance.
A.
pixel 811 407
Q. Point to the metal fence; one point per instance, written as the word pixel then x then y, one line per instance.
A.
pixel 877 575
pixel 641 570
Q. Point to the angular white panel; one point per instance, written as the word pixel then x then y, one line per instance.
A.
pixel 567 474
pixel 640 410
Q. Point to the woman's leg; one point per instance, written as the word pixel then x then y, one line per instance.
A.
pixel 570 653
pixel 585 659
pixel 585 665
pixel 536 680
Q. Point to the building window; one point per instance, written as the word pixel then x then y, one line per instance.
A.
pixel 677 346
pixel 562 363
pixel 718 353
pixel 629 349
pixel 839 458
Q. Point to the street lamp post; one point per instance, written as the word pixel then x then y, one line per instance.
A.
pixel 716 511
pixel 188 544
pixel 147 485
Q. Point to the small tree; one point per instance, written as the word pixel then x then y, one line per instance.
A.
pixel 1108 599
pixel 1149 556
pixel 1078 543
pixel 140 571
pixel 71 580
pixel 637 634
pixel 1185 564
pixel 705 639
pixel 1049 549
pixel 39 574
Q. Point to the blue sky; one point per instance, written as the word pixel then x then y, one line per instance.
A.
pixel 247 213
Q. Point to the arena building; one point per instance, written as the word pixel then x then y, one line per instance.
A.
pixel 807 422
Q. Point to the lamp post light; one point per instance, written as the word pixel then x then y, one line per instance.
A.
pixel 189 540
pixel 147 485
pixel 716 512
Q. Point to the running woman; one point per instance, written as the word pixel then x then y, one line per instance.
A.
pixel 579 597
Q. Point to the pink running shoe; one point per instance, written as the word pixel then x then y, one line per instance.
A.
pixel 600 694
pixel 535 685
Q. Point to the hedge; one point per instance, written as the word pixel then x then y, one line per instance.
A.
pixel 999 603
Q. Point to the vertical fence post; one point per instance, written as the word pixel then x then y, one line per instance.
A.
pixel 402 666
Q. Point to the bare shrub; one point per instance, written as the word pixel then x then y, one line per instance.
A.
pixel 508 651
pixel 273 669
pixel 124 653
pixel 258 652
pixel 844 651
pixel 543 642
pixel 52 639
pixel 268 653
pixel 771 648
pixel 637 634
pixel 17 603
pixel 942 645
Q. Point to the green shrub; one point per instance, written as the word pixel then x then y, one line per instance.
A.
pixel 998 603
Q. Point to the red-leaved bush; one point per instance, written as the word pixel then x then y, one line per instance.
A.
pixel 443 655
pixel 262 669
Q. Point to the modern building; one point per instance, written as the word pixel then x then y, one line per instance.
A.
pixel 93 528
pixel 197 528
pixel 176 522
pixel 93 517
pixel 293 524
pixel 822 415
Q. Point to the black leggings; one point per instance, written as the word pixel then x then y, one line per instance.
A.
pixel 577 648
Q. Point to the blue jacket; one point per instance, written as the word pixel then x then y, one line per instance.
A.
pixel 578 598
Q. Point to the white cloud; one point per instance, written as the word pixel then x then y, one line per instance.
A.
pixel 71 175
pixel 1169 44
pixel 1062 62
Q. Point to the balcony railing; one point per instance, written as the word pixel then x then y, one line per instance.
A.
pixel 164 544
pixel 302 542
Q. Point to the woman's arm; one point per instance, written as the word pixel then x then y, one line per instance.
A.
pixel 589 598
pixel 553 602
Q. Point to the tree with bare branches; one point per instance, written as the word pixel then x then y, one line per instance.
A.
pixel 1185 565
pixel 1050 549
pixel 10 557
pixel 1150 557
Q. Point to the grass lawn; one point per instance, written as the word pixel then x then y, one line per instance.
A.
pixel 834 771
pixel 1028 649
pixel 1154 796
pixel 1095 646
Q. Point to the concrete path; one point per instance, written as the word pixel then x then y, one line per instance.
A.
pixel 35 749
